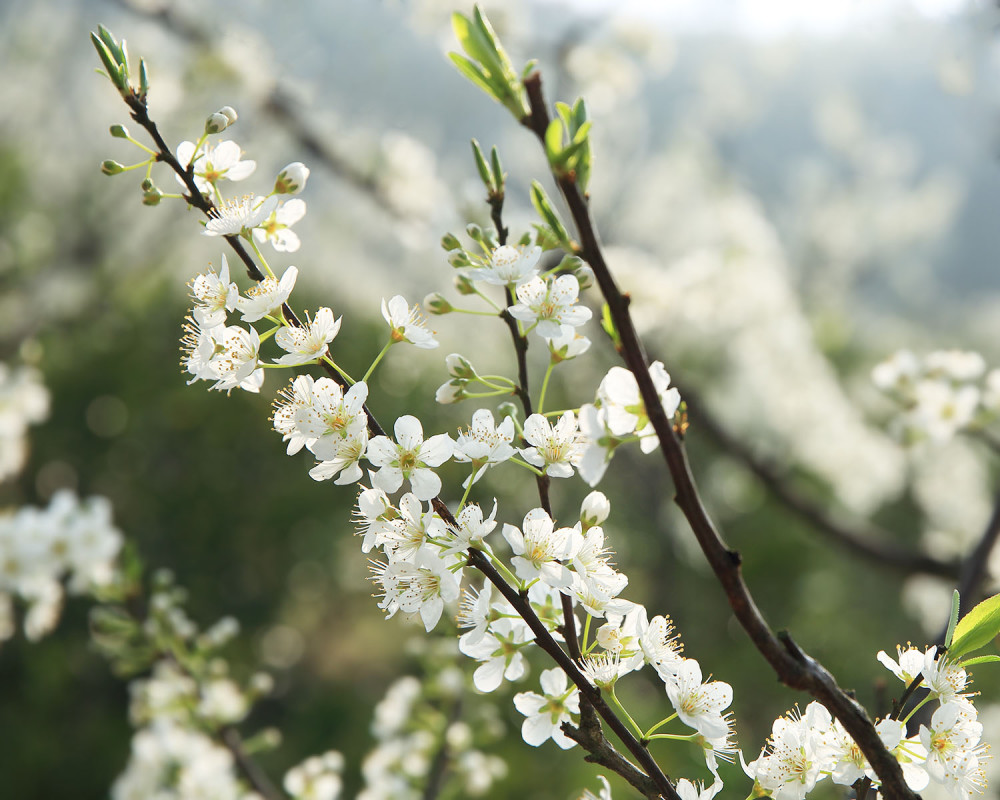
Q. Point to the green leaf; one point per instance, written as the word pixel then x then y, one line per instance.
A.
pixel 473 72
pixel 498 53
pixel 484 170
pixel 540 201
pixel 474 43
pixel 498 176
pixel 981 660
pixel 609 326
pixel 107 58
pixel 977 628
pixel 553 141
pixel 143 79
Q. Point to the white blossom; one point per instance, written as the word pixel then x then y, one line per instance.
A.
pixel 545 713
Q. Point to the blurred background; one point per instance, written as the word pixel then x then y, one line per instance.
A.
pixel 791 194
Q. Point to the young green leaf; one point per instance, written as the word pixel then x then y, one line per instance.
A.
pixel 956 602
pixel 977 628
pixel 484 170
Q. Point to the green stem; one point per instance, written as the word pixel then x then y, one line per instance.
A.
pixel 378 358
pixel 545 386
pixel 509 576
pixel 260 255
pixel 613 700
pixel 658 725
pixel 343 374
pixel 528 466
pixel 586 632
pixel 468 489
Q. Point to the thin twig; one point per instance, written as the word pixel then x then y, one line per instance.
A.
pixel 861 539
pixel 793 666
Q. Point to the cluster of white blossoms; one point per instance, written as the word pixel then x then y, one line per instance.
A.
pixel 410 732
pixel 24 401
pixel 40 548
pixel 173 762
pixel 944 392
pixel 806 748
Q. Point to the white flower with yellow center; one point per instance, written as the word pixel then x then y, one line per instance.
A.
pixel 310 343
pixel 547 712
pixel 277 227
pixel 550 307
pixel 214 295
pixel 264 299
pixel 239 215
pixel 509 266
pixel 699 705
pixel 409 458
pixel 540 547
pixel 407 324
pixel 213 163
pixel 555 448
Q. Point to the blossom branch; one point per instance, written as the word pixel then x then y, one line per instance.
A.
pixel 593 695
pixel 793 666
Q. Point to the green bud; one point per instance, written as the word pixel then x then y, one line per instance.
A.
pixel 151 196
pixel 507 409
pixel 110 167
pixel 459 258
pixel 437 303
pixel 450 242
pixel 460 368
pixel 464 285
pixel 119 132
pixel 474 231
pixel 147 185
pixel 584 276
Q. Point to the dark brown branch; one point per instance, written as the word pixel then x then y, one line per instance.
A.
pixel 862 539
pixel 792 666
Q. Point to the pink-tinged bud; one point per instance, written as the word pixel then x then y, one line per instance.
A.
pixel 292 179
pixel 595 509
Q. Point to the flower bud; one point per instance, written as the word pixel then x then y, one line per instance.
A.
pixel 292 179
pixel 474 231
pixel 450 392
pixel 459 258
pixel 220 120
pixel 437 303
pixel 595 509
pixel 507 409
pixel 110 167
pixel 119 131
pixel 450 242
pixel 152 197
pixel 460 367
pixel 584 276
pixel 464 285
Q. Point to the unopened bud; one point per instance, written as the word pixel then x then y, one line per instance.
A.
pixel 460 367
pixel 464 285
pixel 119 131
pixel 292 179
pixel 459 258
pixel 147 185
pixel 110 167
pixel 595 509
pixel 450 392
pixel 450 242
pixel 474 231
pixel 152 197
pixel 507 409
pixel 220 120
pixel 584 276
pixel 437 303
